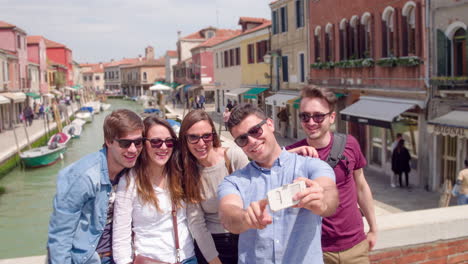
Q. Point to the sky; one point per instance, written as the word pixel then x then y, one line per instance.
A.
pixel 101 30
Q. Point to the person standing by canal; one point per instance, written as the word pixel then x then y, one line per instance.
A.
pixel 150 218
pixel 80 227
pixel 206 164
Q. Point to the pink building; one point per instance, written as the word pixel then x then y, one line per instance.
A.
pixel 13 41
pixel 60 54
pixel 37 55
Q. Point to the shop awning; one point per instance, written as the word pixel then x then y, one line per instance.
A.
pixel 187 87
pixel 254 92
pixel 33 95
pixel 56 92
pixel 378 111
pixel 454 124
pixel 160 87
pixel 236 92
pixel 4 100
pixel 48 95
pixel 279 99
pixel 68 88
pixel 16 97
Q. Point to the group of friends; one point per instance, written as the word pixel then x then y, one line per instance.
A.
pixel 151 196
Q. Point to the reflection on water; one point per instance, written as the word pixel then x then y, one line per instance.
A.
pixel 26 206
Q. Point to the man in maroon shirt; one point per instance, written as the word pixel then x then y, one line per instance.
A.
pixel 343 237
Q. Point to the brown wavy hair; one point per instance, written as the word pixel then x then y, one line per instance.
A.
pixel 172 169
pixel 192 179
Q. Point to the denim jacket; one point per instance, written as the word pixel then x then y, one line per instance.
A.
pixel 79 211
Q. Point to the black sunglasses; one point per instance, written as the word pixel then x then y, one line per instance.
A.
pixel 207 138
pixel 126 143
pixel 256 131
pixel 317 117
pixel 157 142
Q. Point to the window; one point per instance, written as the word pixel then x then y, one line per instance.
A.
pixel 366 48
pixel 388 32
pixel 216 61
pixel 105 75
pixel 85 78
pixel 317 40
pixel 284 66
pixel 210 34
pixel 238 56
pixel 284 19
pixel 275 21
pixel 231 57
pixel 18 41
pixel 6 72
pixel 299 13
pixel 408 26
pixel 460 67
pixel 226 58
pixel 343 39
pixel 97 78
pixel 250 53
pixel 301 67
pixel 145 76
pixel 329 43
pixel 354 38
pixel 262 49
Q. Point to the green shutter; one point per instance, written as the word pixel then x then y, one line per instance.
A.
pixel 442 54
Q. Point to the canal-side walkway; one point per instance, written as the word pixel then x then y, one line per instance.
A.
pixel 8 146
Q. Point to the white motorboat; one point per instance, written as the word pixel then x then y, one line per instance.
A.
pixel 73 130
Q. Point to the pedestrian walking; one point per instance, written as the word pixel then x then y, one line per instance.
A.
pixel 226 115
pixel 283 117
pixel 28 115
pixel 229 105
pixel 462 182
pixel 393 178
pixel 400 162
pixel 201 101
pixel 343 236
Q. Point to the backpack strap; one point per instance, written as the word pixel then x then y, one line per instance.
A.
pixel 227 161
pixel 336 152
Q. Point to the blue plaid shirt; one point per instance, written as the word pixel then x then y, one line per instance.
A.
pixel 294 235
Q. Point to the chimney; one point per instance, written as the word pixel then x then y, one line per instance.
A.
pixel 139 57
pixel 149 53
pixel 179 33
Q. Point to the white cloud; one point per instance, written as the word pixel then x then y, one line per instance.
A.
pixel 105 29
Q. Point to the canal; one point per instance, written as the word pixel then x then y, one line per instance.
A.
pixel 27 204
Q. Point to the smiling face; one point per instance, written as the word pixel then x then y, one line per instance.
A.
pixel 263 148
pixel 201 149
pixel 314 130
pixel 158 156
pixel 120 158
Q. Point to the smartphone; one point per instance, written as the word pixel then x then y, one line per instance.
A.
pixel 282 197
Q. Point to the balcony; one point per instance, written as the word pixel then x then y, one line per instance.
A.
pixel 445 85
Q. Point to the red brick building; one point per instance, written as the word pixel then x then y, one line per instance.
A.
pixel 372 54
pixel 60 54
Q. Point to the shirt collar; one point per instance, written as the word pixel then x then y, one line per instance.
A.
pixel 104 170
pixel 280 161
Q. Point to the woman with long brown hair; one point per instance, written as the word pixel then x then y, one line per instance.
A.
pixel 206 163
pixel 145 199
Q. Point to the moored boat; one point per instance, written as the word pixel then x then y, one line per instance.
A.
pixel 73 130
pixel 105 107
pixel 42 156
pixel 59 138
pixel 85 113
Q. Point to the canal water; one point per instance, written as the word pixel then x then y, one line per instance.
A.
pixel 27 204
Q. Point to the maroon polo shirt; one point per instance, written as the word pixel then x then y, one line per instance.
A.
pixel 345 228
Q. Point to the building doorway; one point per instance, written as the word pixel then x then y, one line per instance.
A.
pixel 449 159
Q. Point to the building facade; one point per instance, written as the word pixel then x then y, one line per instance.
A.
pixel 13 40
pixel 289 59
pixel 60 54
pixel 448 107
pixel 373 56
pixel 170 60
pixel 37 54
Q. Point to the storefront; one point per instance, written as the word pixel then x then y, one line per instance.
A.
pixel 16 107
pixel 274 104
pixel 450 146
pixel 4 117
pixel 375 121
pixel 235 95
pixel 256 96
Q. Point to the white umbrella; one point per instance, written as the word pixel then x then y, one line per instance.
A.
pixel 160 87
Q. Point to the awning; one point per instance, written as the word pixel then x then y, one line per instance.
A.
pixel 48 95
pixel 160 87
pixel 56 92
pixel 454 124
pixel 279 99
pixel 236 92
pixel 16 97
pixel 378 111
pixel 4 100
pixel 187 87
pixel 68 88
pixel 33 95
pixel 253 93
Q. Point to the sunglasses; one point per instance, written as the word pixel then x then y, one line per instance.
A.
pixel 126 143
pixel 207 138
pixel 157 142
pixel 256 131
pixel 318 117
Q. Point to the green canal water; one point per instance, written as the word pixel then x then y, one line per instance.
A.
pixel 26 206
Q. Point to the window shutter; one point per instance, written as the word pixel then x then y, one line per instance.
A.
pixel 384 39
pixel 442 55
pixel 372 38
pixel 284 66
pixel 349 41
pixel 362 41
pixel 286 18
pixel 396 33
pixel 418 29
pixel 342 44
pixel 298 21
pixel 274 16
pixel 404 35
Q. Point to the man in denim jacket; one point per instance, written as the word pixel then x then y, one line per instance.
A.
pixel 80 228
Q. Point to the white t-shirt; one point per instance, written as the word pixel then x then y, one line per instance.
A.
pixel 153 230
